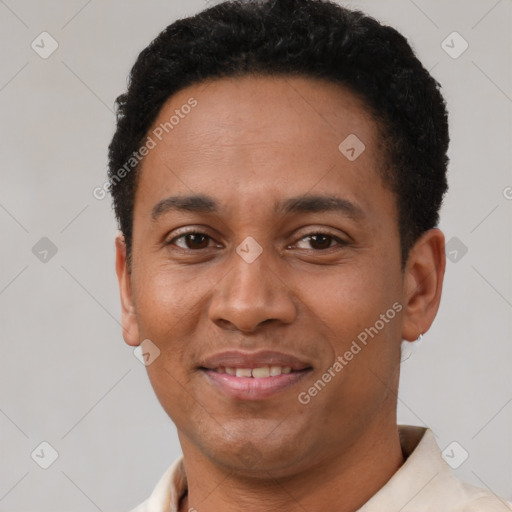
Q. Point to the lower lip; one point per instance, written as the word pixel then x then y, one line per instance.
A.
pixel 250 388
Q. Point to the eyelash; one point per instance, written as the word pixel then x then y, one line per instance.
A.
pixel 341 243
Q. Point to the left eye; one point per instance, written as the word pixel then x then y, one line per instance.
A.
pixel 322 241
pixel 192 240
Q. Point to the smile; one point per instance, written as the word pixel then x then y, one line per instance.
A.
pixel 256 383
pixel 256 373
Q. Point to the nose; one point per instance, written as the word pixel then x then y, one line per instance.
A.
pixel 251 294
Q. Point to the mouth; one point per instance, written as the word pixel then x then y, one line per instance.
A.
pixel 255 373
pixel 253 376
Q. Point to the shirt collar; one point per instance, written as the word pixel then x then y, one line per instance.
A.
pixel 423 474
pixel 423 481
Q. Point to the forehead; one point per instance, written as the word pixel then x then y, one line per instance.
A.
pixel 267 108
pixel 262 136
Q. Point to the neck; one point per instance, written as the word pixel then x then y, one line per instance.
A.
pixel 342 481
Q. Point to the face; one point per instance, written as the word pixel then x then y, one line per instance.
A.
pixel 259 242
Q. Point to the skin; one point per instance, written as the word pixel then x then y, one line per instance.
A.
pixel 249 143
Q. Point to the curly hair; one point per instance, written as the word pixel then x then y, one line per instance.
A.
pixel 309 38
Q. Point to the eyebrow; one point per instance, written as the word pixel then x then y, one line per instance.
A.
pixel 196 204
pixel 318 204
pixel 300 204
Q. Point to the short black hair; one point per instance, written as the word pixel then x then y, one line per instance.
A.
pixel 309 38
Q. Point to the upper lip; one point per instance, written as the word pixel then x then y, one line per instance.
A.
pixel 240 359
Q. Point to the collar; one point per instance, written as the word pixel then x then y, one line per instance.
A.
pixel 422 484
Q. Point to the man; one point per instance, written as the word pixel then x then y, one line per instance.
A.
pixel 277 173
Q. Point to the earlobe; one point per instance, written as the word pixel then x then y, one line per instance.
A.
pixel 423 284
pixel 128 317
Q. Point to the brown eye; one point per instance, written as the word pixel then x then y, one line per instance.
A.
pixel 320 241
pixel 191 241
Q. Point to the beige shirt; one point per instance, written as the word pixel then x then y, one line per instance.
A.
pixel 424 483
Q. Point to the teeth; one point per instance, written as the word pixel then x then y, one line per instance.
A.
pixel 275 370
pixel 257 373
pixel 243 372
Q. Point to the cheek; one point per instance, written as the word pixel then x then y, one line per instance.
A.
pixel 165 305
pixel 166 314
pixel 166 297
pixel 171 304
pixel 361 306
pixel 351 298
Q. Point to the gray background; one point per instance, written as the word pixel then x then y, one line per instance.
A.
pixel 66 376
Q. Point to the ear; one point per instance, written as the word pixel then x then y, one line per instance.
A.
pixel 423 284
pixel 128 318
